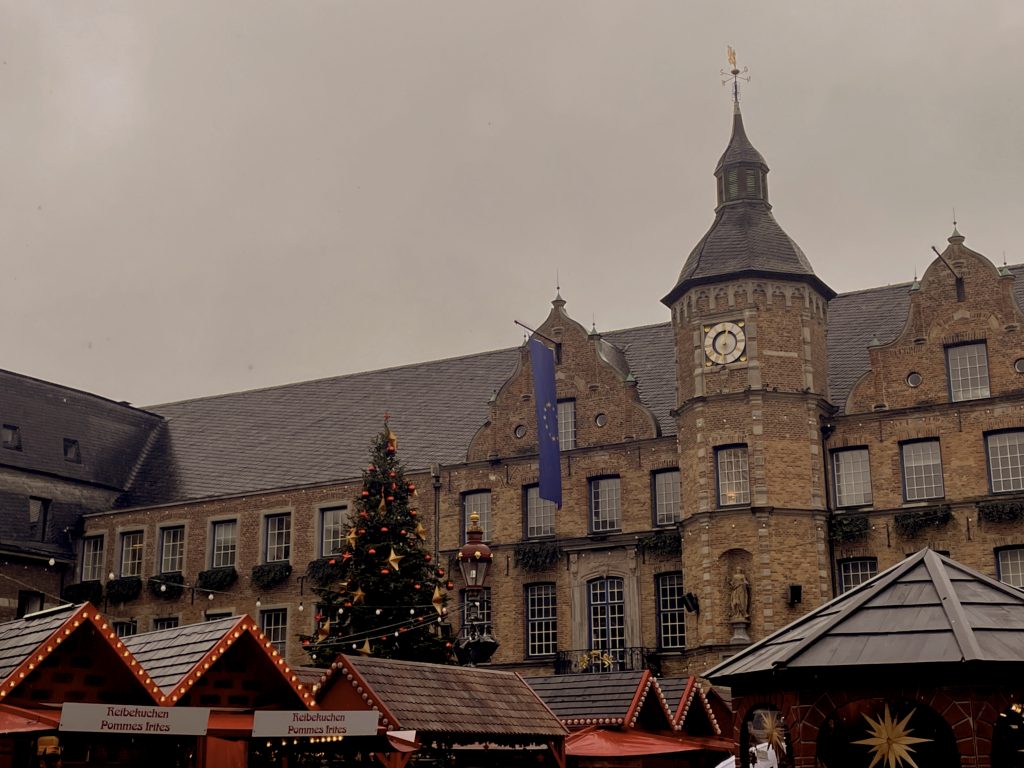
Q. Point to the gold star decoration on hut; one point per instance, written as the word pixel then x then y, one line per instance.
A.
pixel 890 740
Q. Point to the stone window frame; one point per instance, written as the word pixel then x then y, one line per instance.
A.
pixel 277 541
pixel 609 523
pixel 670 611
pixel 167 532
pixel 923 495
pixel 91 567
pixel 566 426
pixel 837 477
pixel 1012 562
pixel 534 505
pixel 1015 469
pixel 131 560
pixel 274 624
pixel 540 617
pixel 330 545
pixel 470 502
pixel 722 453
pixel 657 500
pixel 958 393
pixel 858 575
pixel 218 553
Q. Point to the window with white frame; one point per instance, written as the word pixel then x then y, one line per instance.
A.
pixel 566 424
pixel 126 628
pixel 1010 564
pixel 224 534
pixel 967 366
pixel 605 505
pixel 279 538
pixel 733 475
pixel 332 529
pixel 131 554
pixel 540 514
pixel 671 611
pixel 1005 461
pixel 274 623
pixel 172 549
pixel 922 470
pixel 92 558
pixel 606 602
pixel 851 471
pixel 667 509
pixel 479 502
pixel 854 572
pixel 165 622
pixel 541 620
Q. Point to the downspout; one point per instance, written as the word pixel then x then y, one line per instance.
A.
pixel 826 431
pixel 435 474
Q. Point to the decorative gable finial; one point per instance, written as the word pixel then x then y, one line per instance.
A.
pixel 735 74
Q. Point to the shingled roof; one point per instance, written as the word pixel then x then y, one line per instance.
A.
pixel 607 698
pixel 440 700
pixel 927 609
pixel 319 432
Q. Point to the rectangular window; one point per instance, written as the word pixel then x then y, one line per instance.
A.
pixel 332 529
pixel 72 452
pixel 166 622
pixel 853 573
pixel 605 505
pixel 1006 461
pixel 172 549
pixel 279 538
pixel 733 476
pixel 566 424
pixel 922 470
pixel 29 602
pixel 12 437
pixel 671 611
pixel 479 502
pixel 1011 566
pixel 667 510
pixel 38 514
pixel 607 609
pixel 274 624
pixel 216 615
pixel 540 514
pixel 92 558
pixel 851 471
pixel 967 366
pixel 484 609
pixel 125 628
pixel 541 620
pixel 131 554
pixel 224 535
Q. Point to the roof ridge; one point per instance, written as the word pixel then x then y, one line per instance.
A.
pixel 951 607
pixel 123 404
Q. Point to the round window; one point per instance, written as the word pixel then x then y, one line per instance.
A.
pixel 519 431
pixel 914 379
pixel 601 419
pixel 1018 365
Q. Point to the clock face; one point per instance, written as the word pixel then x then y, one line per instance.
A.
pixel 724 343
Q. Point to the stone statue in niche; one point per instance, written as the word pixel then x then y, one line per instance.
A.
pixel 739 596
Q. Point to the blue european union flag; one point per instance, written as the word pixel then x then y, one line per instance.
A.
pixel 542 361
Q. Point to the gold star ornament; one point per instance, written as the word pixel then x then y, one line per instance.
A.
pixel 394 559
pixel 890 741
pixel 358 596
pixel 352 538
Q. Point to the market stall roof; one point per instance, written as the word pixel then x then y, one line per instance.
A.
pixel 601 742
pixel 606 698
pixel 440 700
pixel 42 653
pixel 195 665
pixel 691 707
pixel 20 720
pixel 927 609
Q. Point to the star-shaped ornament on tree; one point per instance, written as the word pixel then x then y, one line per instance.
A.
pixel 890 741
pixel 352 538
pixel 438 600
pixel 358 596
pixel 394 559
pixel 421 532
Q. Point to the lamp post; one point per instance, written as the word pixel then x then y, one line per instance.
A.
pixel 475 644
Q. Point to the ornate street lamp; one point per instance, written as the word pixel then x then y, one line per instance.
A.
pixel 475 644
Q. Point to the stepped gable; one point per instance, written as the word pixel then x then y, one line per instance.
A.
pixel 927 609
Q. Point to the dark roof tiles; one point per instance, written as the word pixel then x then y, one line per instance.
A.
pixel 588 696
pixel 168 655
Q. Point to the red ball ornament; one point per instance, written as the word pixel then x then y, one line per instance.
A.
pixel 412 513
pixel 332 561
pixel 403 533
pixel 447 645
pixel 412 486
pixel 394 486
pixel 391 498
pixel 370 468
pixel 391 474
pixel 366 494
pixel 361 531
pixel 371 551
pixel 384 571
pixel 450 585
pixel 440 571
pixel 348 604
pixel 391 449
pixel 428 557
pixel 383 529
pixel 363 514
pixel 416 585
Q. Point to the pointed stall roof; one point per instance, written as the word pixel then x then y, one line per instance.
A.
pixel 608 698
pixel 179 658
pixel 927 609
pixel 687 694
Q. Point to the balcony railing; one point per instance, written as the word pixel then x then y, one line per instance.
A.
pixel 597 661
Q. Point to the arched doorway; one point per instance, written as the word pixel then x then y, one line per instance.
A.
pixel 892 733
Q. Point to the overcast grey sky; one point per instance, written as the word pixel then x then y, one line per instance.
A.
pixel 200 197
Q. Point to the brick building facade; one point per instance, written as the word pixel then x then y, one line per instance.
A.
pixel 723 473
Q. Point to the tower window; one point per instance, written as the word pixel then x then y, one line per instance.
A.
pixel 667 510
pixel 732 183
pixel 733 476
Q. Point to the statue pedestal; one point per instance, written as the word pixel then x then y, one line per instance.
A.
pixel 740 635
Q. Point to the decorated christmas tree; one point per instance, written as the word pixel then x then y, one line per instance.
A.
pixel 382 594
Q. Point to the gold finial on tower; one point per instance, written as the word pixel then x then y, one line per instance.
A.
pixel 735 74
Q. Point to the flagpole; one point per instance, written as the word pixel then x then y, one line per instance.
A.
pixel 558 344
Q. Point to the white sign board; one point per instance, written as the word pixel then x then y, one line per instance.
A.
pixel 134 720
pixel 312 723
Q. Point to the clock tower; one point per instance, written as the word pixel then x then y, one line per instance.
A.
pixel 749 319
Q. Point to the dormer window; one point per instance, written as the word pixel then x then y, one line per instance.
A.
pixel 72 452
pixel 12 437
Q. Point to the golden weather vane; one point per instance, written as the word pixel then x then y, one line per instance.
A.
pixel 735 74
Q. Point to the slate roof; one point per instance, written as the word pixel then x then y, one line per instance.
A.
pixel 927 609
pixel 21 637
pixel 591 699
pixel 459 701
pixel 168 655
